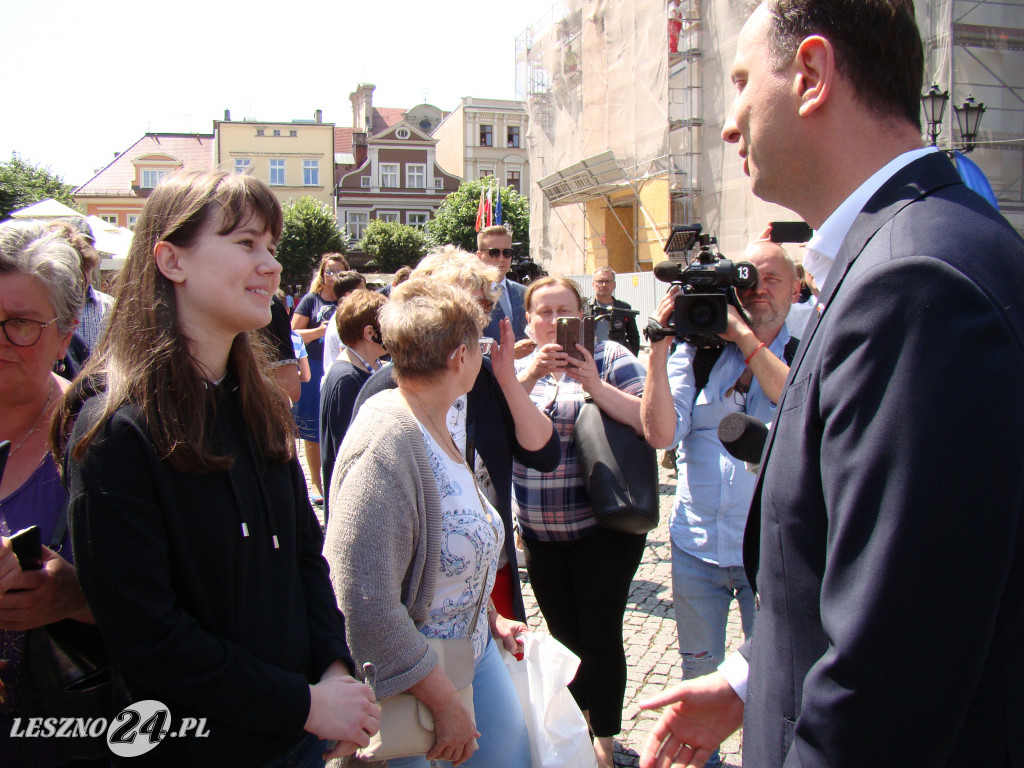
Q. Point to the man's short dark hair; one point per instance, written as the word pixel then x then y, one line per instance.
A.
pixel 348 281
pixel 877 47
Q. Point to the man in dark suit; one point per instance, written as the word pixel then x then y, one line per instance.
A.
pixel 618 326
pixel 494 247
pixel 885 540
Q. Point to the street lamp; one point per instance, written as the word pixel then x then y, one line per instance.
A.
pixel 934 103
pixel 968 118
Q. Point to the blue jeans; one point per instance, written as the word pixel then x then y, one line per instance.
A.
pixel 701 593
pixel 503 740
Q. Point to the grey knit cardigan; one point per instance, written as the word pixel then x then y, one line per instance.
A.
pixel 384 542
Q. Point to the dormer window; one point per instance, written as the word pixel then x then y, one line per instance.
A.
pixel 150 178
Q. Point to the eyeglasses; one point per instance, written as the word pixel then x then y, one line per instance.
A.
pixel 22 332
pixel 603 282
pixel 505 253
pixel 486 342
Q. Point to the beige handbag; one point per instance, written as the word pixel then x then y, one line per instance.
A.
pixel 406 723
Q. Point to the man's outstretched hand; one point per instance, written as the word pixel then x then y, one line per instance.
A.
pixel 702 713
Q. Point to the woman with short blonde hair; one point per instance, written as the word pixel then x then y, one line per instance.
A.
pixel 413 542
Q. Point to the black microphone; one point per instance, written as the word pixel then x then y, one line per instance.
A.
pixel 743 436
pixel 668 271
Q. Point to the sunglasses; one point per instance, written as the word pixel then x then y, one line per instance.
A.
pixel 505 253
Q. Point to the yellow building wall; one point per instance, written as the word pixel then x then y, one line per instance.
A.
pixel 312 142
pixel 619 235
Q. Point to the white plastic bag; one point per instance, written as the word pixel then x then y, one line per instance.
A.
pixel 558 733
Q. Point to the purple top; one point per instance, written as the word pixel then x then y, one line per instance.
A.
pixel 37 502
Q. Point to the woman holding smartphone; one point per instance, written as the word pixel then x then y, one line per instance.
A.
pixel 196 546
pixel 41 296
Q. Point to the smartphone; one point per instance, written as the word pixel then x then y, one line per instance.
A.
pixel 572 331
pixel 791 231
pixel 28 547
pixel 5 448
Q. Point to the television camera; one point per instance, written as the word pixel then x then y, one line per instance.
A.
pixel 707 285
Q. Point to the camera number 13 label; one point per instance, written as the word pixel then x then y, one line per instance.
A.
pixel 141 726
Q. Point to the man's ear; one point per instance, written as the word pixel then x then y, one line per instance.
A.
pixel 168 260
pixel 815 72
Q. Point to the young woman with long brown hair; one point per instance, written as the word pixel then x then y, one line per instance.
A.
pixel 197 549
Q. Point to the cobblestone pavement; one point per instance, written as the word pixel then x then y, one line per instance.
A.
pixel 649 634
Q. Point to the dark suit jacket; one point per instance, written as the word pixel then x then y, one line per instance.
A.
pixel 886 538
pixel 516 292
pixel 494 437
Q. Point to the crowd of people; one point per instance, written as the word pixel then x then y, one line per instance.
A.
pixel 153 444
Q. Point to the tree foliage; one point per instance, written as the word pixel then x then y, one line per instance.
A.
pixel 455 221
pixel 391 245
pixel 23 183
pixel 310 231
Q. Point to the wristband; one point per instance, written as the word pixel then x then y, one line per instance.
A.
pixel 750 357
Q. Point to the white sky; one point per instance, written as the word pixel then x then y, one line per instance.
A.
pixel 84 80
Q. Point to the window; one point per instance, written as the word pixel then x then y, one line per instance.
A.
pixel 259 131
pixel 391 216
pixel 355 224
pixel 132 220
pixel 438 183
pixel 243 165
pixel 417 219
pixel 389 174
pixel 277 173
pixel 403 133
pixel 311 173
pixel 485 172
pixel 277 131
pixel 512 179
pixel 364 181
pixel 151 178
pixel 416 176
pixel 486 136
pixel 110 218
pixel 293 133
pixel 513 137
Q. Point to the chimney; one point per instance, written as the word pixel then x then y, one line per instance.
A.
pixel 359 148
pixel 227 115
pixel 362 107
pixel 318 116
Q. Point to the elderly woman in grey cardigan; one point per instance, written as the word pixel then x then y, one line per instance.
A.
pixel 413 544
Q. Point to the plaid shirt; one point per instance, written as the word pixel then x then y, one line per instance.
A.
pixel 554 506
pixel 94 312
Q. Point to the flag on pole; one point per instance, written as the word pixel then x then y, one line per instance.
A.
pixel 497 209
pixel 490 205
pixel 480 212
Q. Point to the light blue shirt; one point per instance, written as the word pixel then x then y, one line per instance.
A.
pixel 713 490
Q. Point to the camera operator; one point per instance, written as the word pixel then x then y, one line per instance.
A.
pixel 714 490
pixel 618 326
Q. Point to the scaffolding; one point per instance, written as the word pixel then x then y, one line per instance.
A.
pixel 627 102
pixel 976 48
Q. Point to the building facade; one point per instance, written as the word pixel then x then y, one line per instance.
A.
pixel 387 167
pixel 295 158
pixel 626 104
pixel 118 191
pixel 486 137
